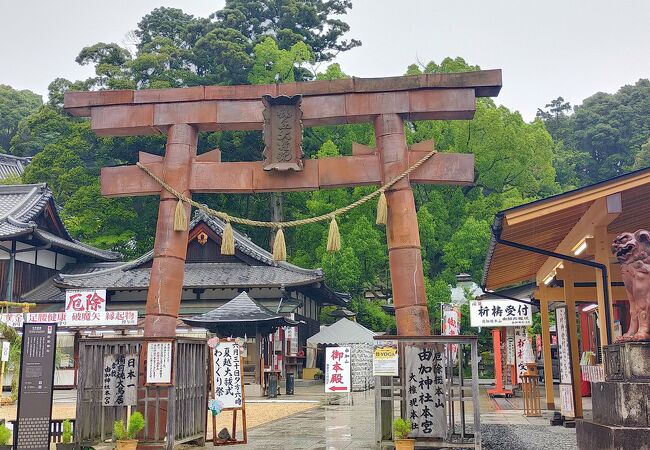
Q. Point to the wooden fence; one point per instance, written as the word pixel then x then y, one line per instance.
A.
pixel 185 403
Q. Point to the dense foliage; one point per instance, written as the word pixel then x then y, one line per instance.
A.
pixel 265 41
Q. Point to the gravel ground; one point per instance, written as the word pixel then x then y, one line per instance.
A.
pixel 527 437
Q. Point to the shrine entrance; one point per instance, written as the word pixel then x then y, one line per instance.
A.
pixel 281 110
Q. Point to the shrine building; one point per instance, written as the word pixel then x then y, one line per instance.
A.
pixel 563 244
pixel 210 280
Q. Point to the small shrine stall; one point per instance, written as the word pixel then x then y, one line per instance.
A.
pixel 351 334
pixel 563 244
pixel 245 318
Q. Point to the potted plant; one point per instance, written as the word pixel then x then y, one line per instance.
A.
pixel 5 437
pixel 125 438
pixel 401 430
pixel 66 438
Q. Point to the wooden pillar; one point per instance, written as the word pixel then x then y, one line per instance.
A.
pixel 546 347
pixel 166 283
pixel 170 247
pixel 569 296
pixel 404 254
pixel 602 253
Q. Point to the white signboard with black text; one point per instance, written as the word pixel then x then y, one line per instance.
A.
pixel 159 362
pixel 73 319
pixel 425 397
pixel 564 352
pixel 500 313
pixel 337 369
pixel 227 371
pixel 120 382
pixel 6 348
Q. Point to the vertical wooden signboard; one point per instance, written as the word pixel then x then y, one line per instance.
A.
pixel 566 376
pixel 36 387
pixel 228 387
pixel 425 390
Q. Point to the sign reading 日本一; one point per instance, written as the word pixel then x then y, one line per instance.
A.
pixel 159 362
pixel 120 380
pixel 228 380
pixel 499 313
pixel 425 397
pixel 337 369
pixel 385 358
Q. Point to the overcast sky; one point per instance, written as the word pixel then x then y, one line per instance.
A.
pixel 546 49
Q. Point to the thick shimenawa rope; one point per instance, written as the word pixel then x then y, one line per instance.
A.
pixel 292 223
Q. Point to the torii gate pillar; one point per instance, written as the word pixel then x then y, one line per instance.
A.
pixel 170 247
pixel 404 255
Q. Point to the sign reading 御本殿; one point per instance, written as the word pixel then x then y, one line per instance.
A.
pixel 499 313
pixel 337 369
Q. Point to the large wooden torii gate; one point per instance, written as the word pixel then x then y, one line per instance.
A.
pixel 385 102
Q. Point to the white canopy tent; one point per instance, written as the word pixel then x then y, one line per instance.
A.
pixel 347 333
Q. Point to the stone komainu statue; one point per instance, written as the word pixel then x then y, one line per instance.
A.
pixel 633 252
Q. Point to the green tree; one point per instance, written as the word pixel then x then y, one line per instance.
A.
pixel 14 107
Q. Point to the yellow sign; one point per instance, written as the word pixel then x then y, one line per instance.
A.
pixel 385 358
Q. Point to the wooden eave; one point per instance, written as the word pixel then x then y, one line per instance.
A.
pixel 545 224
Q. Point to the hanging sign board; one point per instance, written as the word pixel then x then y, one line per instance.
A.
pixel 88 300
pixel 385 358
pixel 337 369
pixel 6 347
pixel 228 383
pixel 523 352
pixel 564 352
pixel 499 313
pixel 451 327
pixel 510 350
pixel 159 362
pixel 425 398
pixel 74 319
pixel 120 380
pixel 36 386
pixel 291 336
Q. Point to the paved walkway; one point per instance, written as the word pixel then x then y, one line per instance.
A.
pixel 352 427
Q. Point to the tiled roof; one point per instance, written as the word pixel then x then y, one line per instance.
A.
pixel 136 274
pixel 205 275
pixel 12 165
pixel 21 204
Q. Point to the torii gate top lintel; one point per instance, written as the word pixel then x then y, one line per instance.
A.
pixel 351 100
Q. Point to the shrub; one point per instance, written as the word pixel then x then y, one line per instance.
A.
pixel 5 435
pixel 66 438
pixel 401 428
pixel 136 424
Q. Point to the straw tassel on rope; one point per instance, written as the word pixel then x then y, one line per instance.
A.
pixel 279 246
pixel 382 210
pixel 180 217
pixel 333 237
pixel 227 240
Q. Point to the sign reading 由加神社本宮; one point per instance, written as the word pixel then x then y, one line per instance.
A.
pixel 120 380
pixel 228 385
pixel 337 369
pixel 499 313
pixel 425 397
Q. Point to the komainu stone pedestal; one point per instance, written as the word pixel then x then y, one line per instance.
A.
pixel 621 404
